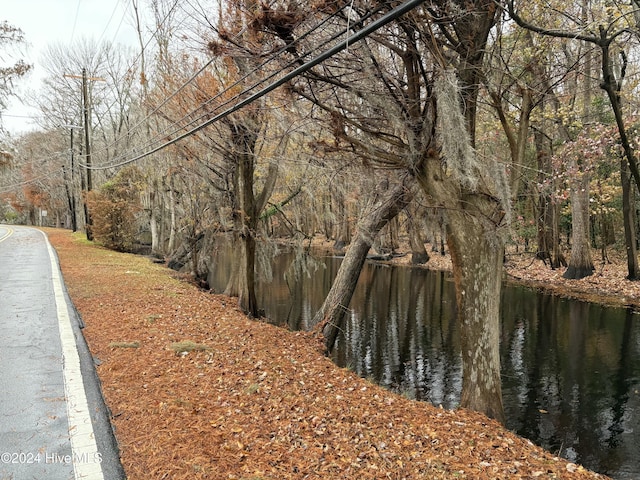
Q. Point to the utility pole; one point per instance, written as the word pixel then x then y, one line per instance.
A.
pixel 71 192
pixel 74 219
pixel 87 142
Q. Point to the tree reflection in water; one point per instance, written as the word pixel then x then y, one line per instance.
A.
pixel 571 370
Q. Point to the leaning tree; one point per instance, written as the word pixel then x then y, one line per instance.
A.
pixel 405 98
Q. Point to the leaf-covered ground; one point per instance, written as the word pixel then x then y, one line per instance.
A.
pixel 196 391
pixel 608 285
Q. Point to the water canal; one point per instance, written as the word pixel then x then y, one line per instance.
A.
pixel 570 369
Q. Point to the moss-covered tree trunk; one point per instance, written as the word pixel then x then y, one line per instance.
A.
pixel 474 220
pixel 477 254
pixel 473 193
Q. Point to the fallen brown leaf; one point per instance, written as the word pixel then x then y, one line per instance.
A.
pixel 260 402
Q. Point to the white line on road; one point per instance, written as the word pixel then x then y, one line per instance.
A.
pixel 85 456
pixel 6 235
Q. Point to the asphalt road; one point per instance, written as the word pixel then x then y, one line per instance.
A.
pixel 53 421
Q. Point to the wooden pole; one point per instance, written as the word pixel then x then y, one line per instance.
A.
pixel 87 142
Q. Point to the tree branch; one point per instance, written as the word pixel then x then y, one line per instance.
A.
pixel 548 32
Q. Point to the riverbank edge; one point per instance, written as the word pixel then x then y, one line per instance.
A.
pixel 608 286
pixel 374 433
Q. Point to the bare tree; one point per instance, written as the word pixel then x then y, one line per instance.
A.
pixel 608 35
pixel 228 153
pixel 36 181
pixel 10 38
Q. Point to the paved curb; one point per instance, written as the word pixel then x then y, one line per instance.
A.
pixel 104 435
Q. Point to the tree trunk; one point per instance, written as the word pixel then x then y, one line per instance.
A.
pixel 443 235
pixel 331 315
pixel 419 254
pixel 557 257
pixel 327 217
pixel 153 222
pixel 244 140
pixel 379 210
pixel 153 227
pixel 393 227
pixel 547 218
pixel 171 245
pixel 474 220
pixel 232 289
pixel 477 254
pixel 247 295
pixel 629 217
pixel 343 234
pixel 580 264
pixel 544 221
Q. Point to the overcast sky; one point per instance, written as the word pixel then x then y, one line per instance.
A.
pixel 61 21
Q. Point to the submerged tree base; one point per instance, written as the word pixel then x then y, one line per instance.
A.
pixel 576 273
pixel 419 258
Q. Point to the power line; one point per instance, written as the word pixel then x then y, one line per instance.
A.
pixel 75 21
pixel 177 124
pixel 343 45
pixel 292 63
pixel 14 186
pixel 125 10
pixel 135 60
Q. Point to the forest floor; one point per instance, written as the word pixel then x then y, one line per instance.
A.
pixel 608 285
pixel 198 391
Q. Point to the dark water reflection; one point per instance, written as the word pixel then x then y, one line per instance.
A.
pixel 571 370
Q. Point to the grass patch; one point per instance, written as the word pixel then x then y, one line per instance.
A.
pixel 124 344
pixel 153 317
pixel 183 403
pixel 253 388
pixel 408 394
pixel 187 346
pixel 81 238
